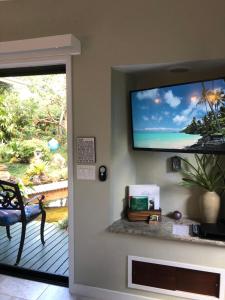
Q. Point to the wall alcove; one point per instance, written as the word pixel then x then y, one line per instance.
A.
pixel 146 167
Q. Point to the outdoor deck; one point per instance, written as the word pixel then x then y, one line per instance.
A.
pixel 50 258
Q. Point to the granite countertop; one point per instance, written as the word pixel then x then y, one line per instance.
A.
pixel 162 230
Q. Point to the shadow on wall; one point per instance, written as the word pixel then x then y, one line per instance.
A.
pixel 193 204
pixel 193 201
pixel 125 203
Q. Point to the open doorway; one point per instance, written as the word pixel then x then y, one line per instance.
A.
pixel 33 153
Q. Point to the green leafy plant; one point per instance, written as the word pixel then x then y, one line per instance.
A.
pixel 56 174
pixel 36 173
pixel 6 152
pixel 36 169
pixel 63 224
pixel 40 113
pixel 207 173
pixel 23 150
pixel 43 147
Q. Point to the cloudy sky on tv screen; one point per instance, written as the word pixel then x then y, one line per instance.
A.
pixel 179 117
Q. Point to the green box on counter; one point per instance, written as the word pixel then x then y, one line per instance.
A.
pixel 138 203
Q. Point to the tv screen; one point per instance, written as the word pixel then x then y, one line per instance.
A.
pixel 187 117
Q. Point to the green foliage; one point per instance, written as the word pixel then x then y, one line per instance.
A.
pixel 57 174
pixel 4 87
pixel 15 117
pixel 23 151
pixel 6 152
pixel 29 119
pixel 41 114
pixel 35 173
pixel 63 224
pixel 41 145
pixel 207 173
pixel 37 168
pixel 17 170
pixel 49 93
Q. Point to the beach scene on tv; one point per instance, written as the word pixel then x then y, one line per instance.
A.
pixel 189 117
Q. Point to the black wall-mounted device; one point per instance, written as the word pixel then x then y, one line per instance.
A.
pixel 102 173
pixel 175 163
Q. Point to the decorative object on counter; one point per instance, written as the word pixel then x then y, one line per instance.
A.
pixel 181 229
pixel 207 173
pixel 209 231
pixel 151 204
pixel 177 215
pixel 143 203
pixel 138 203
pixel 152 191
pixel 155 216
pixel 210 206
pixel 146 215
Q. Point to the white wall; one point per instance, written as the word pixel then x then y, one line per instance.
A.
pixel 123 169
pixel 119 33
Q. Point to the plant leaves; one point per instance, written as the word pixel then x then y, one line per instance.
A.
pixel 207 173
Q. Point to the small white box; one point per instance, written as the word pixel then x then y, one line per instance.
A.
pixel 150 190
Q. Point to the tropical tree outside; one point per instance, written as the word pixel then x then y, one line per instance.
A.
pixel 32 119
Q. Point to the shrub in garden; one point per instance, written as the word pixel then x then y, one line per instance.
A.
pixel 58 174
pixel 6 152
pixel 23 151
pixel 36 173
pixel 43 147
pixel 36 169
pixel 63 224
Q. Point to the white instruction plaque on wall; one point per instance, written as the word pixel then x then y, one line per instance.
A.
pixel 85 172
pixel 86 150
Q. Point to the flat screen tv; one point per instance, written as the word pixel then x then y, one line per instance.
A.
pixel 187 117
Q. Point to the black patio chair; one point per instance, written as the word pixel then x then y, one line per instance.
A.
pixel 15 208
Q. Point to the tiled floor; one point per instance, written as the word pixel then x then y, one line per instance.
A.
pixel 12 288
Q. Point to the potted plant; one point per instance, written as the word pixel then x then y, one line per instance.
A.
pixel 207 174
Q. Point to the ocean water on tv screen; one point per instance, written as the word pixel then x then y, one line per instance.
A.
pixel 164 140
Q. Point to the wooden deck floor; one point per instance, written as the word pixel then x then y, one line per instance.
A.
pixel 51 258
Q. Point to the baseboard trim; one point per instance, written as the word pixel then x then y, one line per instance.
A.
pixel 104 294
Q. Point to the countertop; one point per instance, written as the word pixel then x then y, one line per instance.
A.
pixel 162 230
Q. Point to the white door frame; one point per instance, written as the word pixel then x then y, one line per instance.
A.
pixel 17 61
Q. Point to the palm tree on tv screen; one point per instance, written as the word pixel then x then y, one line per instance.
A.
pixel 214 99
